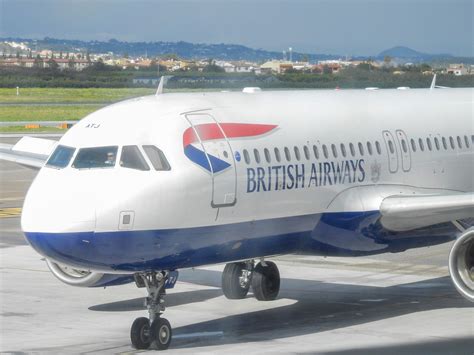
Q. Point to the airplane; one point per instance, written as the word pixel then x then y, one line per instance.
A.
pixel 142 188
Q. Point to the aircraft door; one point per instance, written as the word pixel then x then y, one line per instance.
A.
pixel 391 151
pixel 218 157
pixel 404 150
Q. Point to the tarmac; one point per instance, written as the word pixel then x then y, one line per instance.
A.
pixel 392 304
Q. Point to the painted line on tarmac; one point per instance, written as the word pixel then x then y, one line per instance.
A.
pixel 10 212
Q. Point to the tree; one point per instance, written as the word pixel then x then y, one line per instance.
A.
pixel 212 68
pixel 425 67
pixel 171 56
pixel 98 66
pixel 327 69
pixel 365 66
pixel 38 62
pixel 53 65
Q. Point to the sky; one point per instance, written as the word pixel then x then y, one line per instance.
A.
pixel 344 27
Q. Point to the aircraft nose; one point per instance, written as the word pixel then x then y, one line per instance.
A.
pixel 56 204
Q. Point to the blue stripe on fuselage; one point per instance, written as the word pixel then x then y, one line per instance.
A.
pixel 353 233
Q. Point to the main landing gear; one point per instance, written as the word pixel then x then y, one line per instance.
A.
pixel 154 332
pixel 263 277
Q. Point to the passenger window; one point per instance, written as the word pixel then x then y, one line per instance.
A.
pixel 459 142
pixel 369 148
pixel 157 158
pixel 428 143
pixel 132 158
pixel 352 149
pixel 267 155
pixel 377 146
pixel 413 145
pixel 325 151
pixel 61 157
pixel 277 155
pixel 256 155
pixel 316 152
pixel 99 157
pixel 436 143
pixel 334 150
pixel 297 153
pixel 343 150
pixel 306 152
pixel 451 141
pixel 404 146
pixel 445 145
pixel 287 154
pixel 246 156
pixel 361 148
pixel 391 147
pixel 466 140
pixel 420 143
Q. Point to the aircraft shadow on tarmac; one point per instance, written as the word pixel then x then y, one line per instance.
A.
pixel 319 307
pixel 176 299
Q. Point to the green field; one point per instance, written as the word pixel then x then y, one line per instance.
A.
pixel 22 129
pixel 45 113
pixel 67 95
pixel 57 104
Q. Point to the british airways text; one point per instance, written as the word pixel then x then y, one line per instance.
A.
pixel 300 176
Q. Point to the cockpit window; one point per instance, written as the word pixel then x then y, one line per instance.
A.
pixel 61 157
pixel 99 157
pixel 132 158
pixel 157 158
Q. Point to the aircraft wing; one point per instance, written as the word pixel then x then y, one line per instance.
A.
pixel 28 151
pixel 401 213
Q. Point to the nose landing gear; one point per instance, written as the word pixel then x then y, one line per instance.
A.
pixel 263 277
pixel 153 332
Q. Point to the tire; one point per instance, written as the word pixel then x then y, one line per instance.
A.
pixel 161 333
pixel 231 283
pixel 266 281
pixel 140 333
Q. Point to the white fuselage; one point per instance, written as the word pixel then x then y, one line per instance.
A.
pixel 326 152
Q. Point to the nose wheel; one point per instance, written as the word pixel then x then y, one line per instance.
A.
pixel 154 332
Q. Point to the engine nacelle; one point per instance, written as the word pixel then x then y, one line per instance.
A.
pixel 81 278
pixel 461 264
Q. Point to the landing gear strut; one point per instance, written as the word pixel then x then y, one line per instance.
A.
pixel 154 331
pixel 263 277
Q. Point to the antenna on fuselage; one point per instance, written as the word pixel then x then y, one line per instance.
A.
pixel 433 83
pixel 163 81
pixel 434 86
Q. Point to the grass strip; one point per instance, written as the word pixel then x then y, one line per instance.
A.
pixel 82 95
pixel 45 113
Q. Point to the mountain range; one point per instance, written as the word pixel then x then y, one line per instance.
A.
pixel 216 51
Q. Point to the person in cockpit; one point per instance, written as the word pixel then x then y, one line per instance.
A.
pixel 110 159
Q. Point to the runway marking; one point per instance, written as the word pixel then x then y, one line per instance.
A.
pixel 199 335
pixel 10 212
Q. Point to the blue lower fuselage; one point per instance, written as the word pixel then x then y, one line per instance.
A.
pixel 343 234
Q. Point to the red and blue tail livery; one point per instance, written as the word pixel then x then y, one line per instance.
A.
pixel 199 134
